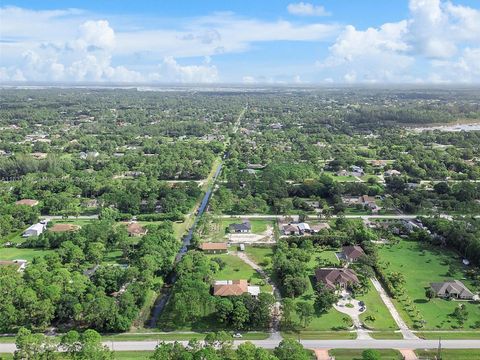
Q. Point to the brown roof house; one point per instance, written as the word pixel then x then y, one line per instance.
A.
pixel 452 289
pixel 28 202
pixel 352 253
pixel 369 201
pixel 334 278
pixel 213 247
pixel 135 229
pixel 234 288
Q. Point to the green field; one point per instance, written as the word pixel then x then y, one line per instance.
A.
pixel 435 335
pixel 376 308
pixel 421 265
pixel 449 354
pixel 260 255
pixel 356 354
pixel 20 253
pixel 236 269
pixel 320 335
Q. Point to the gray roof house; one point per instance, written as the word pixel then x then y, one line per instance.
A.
pixel 452 289
pixel 244 227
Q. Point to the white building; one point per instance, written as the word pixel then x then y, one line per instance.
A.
pixel 35 229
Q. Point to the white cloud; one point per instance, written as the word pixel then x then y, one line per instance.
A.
pixel 372 55
pixel 307 9
pixel 171 71
pixel 440 35
pixel 249 79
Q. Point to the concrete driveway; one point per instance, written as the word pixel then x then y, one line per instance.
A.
pixel 351 307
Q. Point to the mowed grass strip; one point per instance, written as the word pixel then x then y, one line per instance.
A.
pixel 356 354
pixel 450 354
pixel 421 264
pixel 377 309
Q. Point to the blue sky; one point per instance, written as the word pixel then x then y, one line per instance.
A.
pixel 330 41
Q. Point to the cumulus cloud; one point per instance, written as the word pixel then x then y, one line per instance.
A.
pixel 307 9
pixel 371 55
pixel 440 34
pixel 171 71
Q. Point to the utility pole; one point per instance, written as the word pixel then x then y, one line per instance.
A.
pixel 439 350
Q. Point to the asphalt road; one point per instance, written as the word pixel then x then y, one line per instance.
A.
pixel 310 344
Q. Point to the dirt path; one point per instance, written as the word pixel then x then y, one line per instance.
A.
pixel 322 354
pixel 406 332
pixel 408 354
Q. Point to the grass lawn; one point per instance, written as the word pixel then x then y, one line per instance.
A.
pixel 377 309
pixel 450 354
pixel 356 354
pixel 385 335
pixel 132 355
pixel 421 265
pixel 236 269
pixel 24 254
pixel 113 257
pixel 320 335
pixel 6 356
pixel 260 255
pixel 448 335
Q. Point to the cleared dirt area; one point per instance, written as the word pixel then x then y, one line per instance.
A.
pixel 265 237
pixel 64 227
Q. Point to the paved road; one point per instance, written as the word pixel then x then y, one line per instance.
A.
pixel 310 344
pixel 406 332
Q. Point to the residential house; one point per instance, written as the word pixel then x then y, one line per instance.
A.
pixel 352 253
pixel 289 229
pixel 27 202
pixel 334 278
pixel 452 289
pixel 35 229
pixel 244 227
pixel 304 228
pixel 213 247
pixel 135 229
pixel 316 228
pixel 393 172
pixel 379 163
pixel 369 202
pixel 234 288
pixel 20 265
pixel 357 170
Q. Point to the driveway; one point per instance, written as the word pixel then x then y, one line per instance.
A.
pixel 406 332
pixel 351 307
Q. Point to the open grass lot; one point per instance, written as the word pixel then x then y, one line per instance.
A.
pixel 421 265
pixel 386 335
pixel 450 354
pixel 236 269
pixel 356 354
pixel 20 253
pixel 377 309
pixel 4 356
pixel 260 255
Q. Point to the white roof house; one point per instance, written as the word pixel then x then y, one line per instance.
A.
pixel 254 290
pixel 303 227
pixel 34 230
